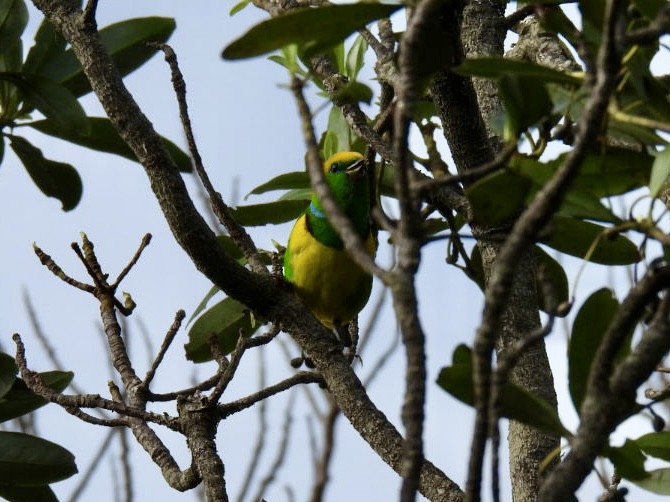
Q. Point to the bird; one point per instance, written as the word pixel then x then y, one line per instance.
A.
pixel 322 273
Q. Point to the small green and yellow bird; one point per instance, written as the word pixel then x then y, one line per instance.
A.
pixel 324 276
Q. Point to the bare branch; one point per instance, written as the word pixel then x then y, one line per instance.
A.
pixel 299 378
pixel 167 341
pixel 219 207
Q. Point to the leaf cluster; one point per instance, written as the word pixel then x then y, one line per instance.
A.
pixel 28 464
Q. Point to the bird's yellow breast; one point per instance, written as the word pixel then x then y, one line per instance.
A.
pixel 327 279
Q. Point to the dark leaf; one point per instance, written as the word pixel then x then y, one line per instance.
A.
pixel 20 400
pixel 517 403
pixel 104 138
pixel 48 44
pixel 224 321
pixel 276 212
pixel 42 493
pixel 54 179
pixel 628 460
pixel 649 8
pixel 550 276
pixel 52 99
pixel 585 240
pixel 31 461
pixel 126 42
pixel 526 102
pixel 13 20
pixel 8 372
pixel 320 26
pixel 353 93
pixel 588 329
pixel 614 172
pixel 488 207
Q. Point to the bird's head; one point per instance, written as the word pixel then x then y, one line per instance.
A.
pixel 345 164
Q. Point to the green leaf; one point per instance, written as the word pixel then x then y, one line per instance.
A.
pixel 649 8
pixel 49 44
pixel 526 102
pixel 126 42
pixel 31 461
pixel 352 93
pixel 276 212
pixel 41 493
pixel 238 7
pixel 632 133
pixel 580 201
pixel 656 444
pixel 286 181
pixel 13 20
pixel 550 274
pixel 356 57
pixel 203 303
pixel 657 481
pixel 54 179
pixel 20 400
pixel 337 54
pixel 495 68
pixel 52 99
pixel 328 144
pixel 304 194
pixel 488 207
pixel 614 172
pixel 588 329
pixel 8 372
pixel 659 172
pixel 585 240
pixel 628 460
pixel 321 26
pixel 338 125
pixel 103 137
pixel 517 403
pixel 223 321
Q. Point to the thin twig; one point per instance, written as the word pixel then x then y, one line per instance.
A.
pixel 96 462
pixel 167 341
pixel 145 242
pixel 281 450
pixel 220 208
pixel 261 434
pixel 227 409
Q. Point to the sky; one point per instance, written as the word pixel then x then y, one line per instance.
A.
pixel 246 125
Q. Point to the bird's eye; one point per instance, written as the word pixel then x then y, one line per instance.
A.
pixel 336 167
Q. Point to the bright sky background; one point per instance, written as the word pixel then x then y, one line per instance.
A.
pixel 247 129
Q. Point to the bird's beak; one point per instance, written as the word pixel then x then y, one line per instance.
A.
pixel 357 169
